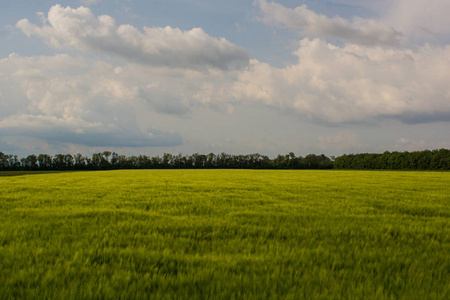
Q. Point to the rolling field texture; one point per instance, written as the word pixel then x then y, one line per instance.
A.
pixel 225 234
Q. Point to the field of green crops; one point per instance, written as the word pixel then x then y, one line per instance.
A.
pixel 225 234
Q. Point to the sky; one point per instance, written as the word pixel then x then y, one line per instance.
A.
pixel 237 76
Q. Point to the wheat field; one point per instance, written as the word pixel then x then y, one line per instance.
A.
pixel 225 234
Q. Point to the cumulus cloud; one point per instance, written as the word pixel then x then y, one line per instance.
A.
pixel 64 97
pixel 80 29
pixel 71 99
pixel 78 131
pixel 365 79
pixel 354 84
pixel 67 98
pixel 307 23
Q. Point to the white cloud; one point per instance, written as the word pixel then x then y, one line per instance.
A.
pixel 307 23
pixel 78 131
pixel 162 86
pixel 80 29
pixel 70 99
pixel 362 80
pixel 354 84
pixel 60 97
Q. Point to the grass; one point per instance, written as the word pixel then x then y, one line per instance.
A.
pixel 225 234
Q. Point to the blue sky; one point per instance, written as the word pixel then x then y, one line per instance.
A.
pixel 186 76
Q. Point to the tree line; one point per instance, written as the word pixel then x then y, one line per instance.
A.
pixel 418 160
pixel 110 160
pixel 106 160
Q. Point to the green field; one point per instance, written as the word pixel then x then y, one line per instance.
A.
pixel 225 234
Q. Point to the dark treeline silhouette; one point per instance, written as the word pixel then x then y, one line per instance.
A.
pixel 110 160
pixel 418 160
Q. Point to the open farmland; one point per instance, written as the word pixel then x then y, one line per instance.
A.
pixel 225 234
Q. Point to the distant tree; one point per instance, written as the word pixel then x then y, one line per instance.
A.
pixel 114 160
pixel 68 161
pixel 59 162
pixel 133 162
pixel 156 162
pixel 96 160
pixel 45 161
pixel 104 160
pixel 211 161
pixel 119 161
pixel 179 161
pixel 144 162
pixel 167 161
pixel 23 163
pixel 3 161
pixel 198 160
pixel 311 161
pixel 32 162
pixel 79 161
pixel 418 160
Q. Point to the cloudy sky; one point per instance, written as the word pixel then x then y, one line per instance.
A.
pixel 236 76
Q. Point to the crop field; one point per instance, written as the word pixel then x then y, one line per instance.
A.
pixel 225 234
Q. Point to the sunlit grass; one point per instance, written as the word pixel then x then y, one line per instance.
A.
pixel 225 234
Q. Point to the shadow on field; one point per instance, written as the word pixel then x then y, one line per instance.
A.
pixel 21 173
